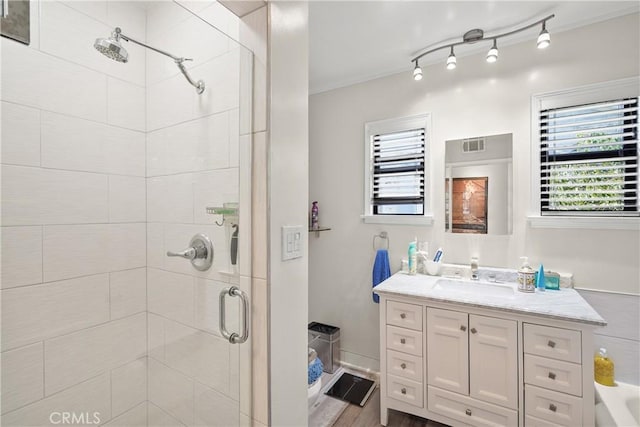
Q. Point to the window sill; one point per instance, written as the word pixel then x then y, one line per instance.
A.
pixel 398 219
pixel 582 222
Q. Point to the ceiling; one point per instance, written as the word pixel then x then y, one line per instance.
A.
pixel 355 41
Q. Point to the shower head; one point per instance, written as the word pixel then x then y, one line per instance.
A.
pixel 111 47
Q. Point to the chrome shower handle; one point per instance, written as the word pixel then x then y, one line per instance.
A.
pixel 189 253
pixel 234 338
pixel 199 252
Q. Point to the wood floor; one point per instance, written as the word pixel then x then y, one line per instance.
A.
pixel 369 416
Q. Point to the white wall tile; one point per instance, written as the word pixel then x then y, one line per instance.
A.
pixel 198 354
pixel 92 396
pixel 192 38
pixel 20 135
pixel 126 104
pixel 197 145
pixel 69 34
pixel 624 354
pixel 223 85
pixel 171 295
pixel 22 373
pixel 163 16
pixel 220 17
pixel 171 391
pixel 214 409
pixel 127 199
pixel 127 246
pixel 234 137
pixel 96 9
pixel 170 102
pixel 155 336
pixel 21 256
pixel 159 418
pixel 135 417
pixel 170 199
pixel 72 358
pixel 128 292
pixel 42 196
pixel 27 75
pixel 128 386
pixel 207 293
pixel 155 245
pixel 214 188
pixel 619 310
pixel 76 144
pixel 34 313
pixel 75 250
pixel 130 16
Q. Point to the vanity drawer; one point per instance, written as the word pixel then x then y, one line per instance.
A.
pixel 556 343
pixel 404 315
pixel 547 405
pixel 553 374
pixel 468 410
pixel 405 390
pixel 530 421
pixel 404 365
pixel 404 340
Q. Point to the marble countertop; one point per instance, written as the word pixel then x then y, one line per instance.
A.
pixel 563 304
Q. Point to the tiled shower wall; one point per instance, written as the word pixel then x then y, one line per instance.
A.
pixel 193 161
pixel 73 217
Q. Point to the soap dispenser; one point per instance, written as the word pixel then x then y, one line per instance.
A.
pixel 526 276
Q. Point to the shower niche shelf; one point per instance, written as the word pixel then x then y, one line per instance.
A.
pixel 229 212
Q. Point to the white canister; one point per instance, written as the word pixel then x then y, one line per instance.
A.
pixel 526 277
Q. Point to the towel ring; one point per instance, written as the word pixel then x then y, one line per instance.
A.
pixel 384 236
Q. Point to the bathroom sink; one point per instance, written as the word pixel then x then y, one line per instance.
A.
pixel 465 286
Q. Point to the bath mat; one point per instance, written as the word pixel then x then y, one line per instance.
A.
pixel 352 389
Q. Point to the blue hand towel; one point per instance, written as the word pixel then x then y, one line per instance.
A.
pixel 381 270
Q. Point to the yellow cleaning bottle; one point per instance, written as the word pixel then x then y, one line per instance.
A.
pixel 603 368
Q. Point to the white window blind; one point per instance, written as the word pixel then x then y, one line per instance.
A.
pixel 589 159
pixel 398 169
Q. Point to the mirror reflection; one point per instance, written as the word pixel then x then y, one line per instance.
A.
pixel 478 185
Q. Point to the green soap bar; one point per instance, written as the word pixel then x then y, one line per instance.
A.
pixel 552 281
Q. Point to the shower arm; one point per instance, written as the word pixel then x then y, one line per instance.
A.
pixel 199 85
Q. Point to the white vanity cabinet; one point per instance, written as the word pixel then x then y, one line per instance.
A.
pixel 479 363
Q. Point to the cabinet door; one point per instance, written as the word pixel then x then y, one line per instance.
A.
pixel 493 365
pixel 448 350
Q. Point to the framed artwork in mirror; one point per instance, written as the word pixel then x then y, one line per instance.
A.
pixel 14 20
pixel 469 201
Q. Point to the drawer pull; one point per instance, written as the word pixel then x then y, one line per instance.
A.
pixel 402 315
pixel 552 375
pixel 468 412
pixel 473 330
pixel 463 328
pixel 551 344
pixel 403 391
pixel 402 341
pixel 403 366
pixel 553 408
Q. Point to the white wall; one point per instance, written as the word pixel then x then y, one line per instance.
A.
pixel 475 99
pixel 288 195
pixel 73 218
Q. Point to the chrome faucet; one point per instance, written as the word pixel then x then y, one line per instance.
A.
pixel 474 268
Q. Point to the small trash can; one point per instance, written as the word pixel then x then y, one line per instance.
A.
pixel 325 340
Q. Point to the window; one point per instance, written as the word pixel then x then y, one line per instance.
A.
pixel 396 181
pixel 589 158
pixel 587 154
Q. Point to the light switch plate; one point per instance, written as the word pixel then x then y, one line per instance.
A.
pixel 291 242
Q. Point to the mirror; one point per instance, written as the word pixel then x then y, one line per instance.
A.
pixel 479 184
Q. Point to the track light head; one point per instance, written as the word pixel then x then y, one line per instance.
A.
pixel 451 60
pixel 417 72
pixel 492 55
pixel 544 39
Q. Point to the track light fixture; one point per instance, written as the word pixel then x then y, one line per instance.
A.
pixel 451 60
pixel 544 39
pixel 492 55
pixel 477 35
pixel 417 72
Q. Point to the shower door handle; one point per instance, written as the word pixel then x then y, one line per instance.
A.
pixel 234 337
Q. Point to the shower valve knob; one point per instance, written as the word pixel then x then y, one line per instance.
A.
pixel 199 252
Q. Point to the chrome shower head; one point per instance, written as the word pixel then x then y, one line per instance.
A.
pixel 111 47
